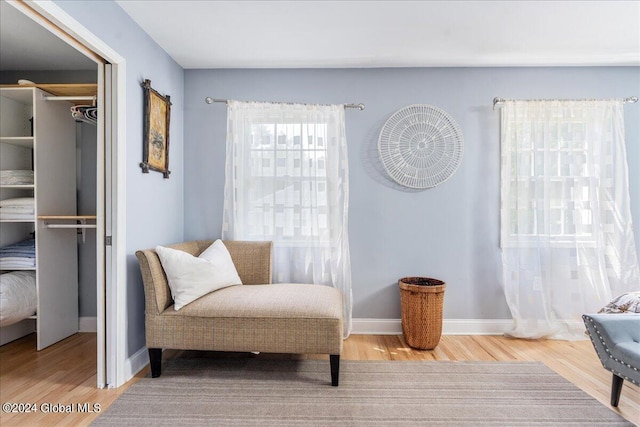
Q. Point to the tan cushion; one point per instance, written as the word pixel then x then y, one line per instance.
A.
pixel 278 318
pixel 282 300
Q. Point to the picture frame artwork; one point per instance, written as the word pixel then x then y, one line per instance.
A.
pixel 155 142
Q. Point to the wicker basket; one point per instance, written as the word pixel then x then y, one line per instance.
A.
pixel 422 299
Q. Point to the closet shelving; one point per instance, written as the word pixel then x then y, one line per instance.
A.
pixel 39 135
pixel 73 90
pixel 20 141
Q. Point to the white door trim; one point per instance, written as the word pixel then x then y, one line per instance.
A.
pixel 56 20
pixel 101 260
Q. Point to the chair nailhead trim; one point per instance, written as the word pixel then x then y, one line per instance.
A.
pixel 610 355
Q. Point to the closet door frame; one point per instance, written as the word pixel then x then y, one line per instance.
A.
pixel 111 258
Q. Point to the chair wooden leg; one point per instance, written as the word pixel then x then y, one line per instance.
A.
pixel 334 360
pixel 616 389
pixel 155 360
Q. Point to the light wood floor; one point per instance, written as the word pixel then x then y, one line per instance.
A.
pixel 64 374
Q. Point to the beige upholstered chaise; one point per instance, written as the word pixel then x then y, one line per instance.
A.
pixel 257 316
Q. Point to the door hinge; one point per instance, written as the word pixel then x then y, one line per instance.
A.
pixel 107 240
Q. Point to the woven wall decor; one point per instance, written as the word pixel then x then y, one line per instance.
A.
pixel 420 146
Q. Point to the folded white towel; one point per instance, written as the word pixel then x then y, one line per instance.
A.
pixel 18 201
pixel 16 172
pixel 13 210
pixel 17 216
pixel 16 181
pixel 7 264
pixel 17 208
pixel 15 177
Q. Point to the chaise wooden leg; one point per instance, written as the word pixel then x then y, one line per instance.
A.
pixel 616 389
pixel 155 360
pixel 334 361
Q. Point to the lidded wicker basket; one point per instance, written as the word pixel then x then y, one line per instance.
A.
pixel 422 301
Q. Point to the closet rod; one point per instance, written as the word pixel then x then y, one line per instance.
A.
pixel 210 100
pixel 82 226
pixel 70 98
pixel 497 102
pixel 47 225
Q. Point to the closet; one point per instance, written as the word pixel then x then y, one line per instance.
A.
pixel 38 137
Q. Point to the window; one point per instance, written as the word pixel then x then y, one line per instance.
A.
pixel 287 181
pixel 566 232
pixel 549 179
pixel 287 193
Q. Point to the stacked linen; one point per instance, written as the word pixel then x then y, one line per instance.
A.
pixel 18 255
pixel 18 208
pixel 18 296
pixel 16 177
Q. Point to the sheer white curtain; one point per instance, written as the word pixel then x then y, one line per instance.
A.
pixel 566 233
pixel 287 180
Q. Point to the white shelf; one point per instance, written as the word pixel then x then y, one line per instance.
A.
pixel 18 269
pixel 20 141
pixel 18 186
pixel 22 93
pixel 54 163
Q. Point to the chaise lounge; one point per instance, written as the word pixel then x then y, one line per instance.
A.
pixel 257 316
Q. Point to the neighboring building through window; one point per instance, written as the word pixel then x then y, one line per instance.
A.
pixel 288 194
pixel 549 184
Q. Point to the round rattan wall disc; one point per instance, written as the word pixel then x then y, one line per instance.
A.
pixel 420 146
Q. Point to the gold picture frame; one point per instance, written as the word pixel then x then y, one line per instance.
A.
pixel 155 142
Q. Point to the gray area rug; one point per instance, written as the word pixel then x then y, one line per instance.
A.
pixel 254 391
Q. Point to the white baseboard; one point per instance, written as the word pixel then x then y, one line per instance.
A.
pixel 376 326
pixel 449 326
pixel 476 326
pixel 88 324
pixel 136 363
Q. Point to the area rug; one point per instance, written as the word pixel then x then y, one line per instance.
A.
pixel 254 391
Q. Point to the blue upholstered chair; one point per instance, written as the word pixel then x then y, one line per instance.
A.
pixel 616 338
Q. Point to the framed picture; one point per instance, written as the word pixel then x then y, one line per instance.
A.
pixel 155 142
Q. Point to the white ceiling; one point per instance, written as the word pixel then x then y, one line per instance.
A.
pixel 305 34
pixel 25 45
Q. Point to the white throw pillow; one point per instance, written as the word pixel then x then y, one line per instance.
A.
pixel 192 277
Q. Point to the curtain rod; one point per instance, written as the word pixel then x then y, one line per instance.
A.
pixel 210 100
pixel 498 101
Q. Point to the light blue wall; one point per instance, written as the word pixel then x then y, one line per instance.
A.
pixel 154 206
pixel 449 232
